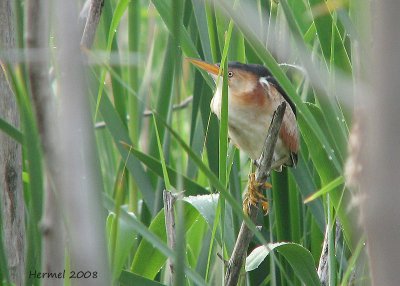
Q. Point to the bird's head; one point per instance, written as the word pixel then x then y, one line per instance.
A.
pixel 248 84
pixel 241 77
pixel 244 81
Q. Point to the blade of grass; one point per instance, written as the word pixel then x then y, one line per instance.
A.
pixel 326 189
pixel 331 242
pixel 190 186
pixel 210 125
pixel 307 185
pixel 214 237
pixel 199 9
pixel 188 47
pixel 280 197
pixel 352 262
pixel 324 24
pixel 280 193
pixel 119 133
pixel 197 137
pixel 115 226
pixel 295 211
pixel 327 173
pixel 126 239
pixel 32 153
pixel 4 274
pixel 120 9
pixel 165 95
pixel 194 244
pixel 329 103
pixel 168 185
pixel 134 24
pixel 223 133
pixel 212 30
pixel 11 131
pixel 302 15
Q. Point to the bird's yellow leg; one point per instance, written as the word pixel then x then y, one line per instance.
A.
pixel 254 195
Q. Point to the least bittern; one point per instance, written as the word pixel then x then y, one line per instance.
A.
pixel 253 96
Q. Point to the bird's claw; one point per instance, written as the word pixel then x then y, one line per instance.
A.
pixel 254 195
pixel 256 163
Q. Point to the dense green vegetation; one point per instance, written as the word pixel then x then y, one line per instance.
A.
pixel 148 141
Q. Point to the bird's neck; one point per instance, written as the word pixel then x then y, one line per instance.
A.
pixel 216 101
pixel 239 90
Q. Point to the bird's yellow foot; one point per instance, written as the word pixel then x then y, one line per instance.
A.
pixel 254 195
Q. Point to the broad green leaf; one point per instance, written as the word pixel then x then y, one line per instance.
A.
pixel 206 205
pixel 125 240
pixel 147 249
pixel 194 244
pixel 299 258
pixel 152 239
pixel 128 278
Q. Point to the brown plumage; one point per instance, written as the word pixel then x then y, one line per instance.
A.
pixel 253 96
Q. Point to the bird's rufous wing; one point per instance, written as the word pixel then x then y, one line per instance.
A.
pixel 289 131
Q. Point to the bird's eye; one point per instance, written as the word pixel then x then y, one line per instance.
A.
pixel 230 74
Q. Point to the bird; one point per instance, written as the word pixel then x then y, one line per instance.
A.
pixel 253 96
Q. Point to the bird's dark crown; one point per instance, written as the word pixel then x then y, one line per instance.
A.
pixel 258 70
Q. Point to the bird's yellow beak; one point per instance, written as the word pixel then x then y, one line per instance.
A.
pixel 211 68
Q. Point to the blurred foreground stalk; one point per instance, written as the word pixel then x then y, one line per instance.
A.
pixel 381 140
pixel 73 197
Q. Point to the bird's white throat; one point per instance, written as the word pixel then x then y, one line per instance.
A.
pixel 241 87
